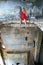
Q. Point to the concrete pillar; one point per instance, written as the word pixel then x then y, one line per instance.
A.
pixel 1 50
pixel 37 45
pixel 36 40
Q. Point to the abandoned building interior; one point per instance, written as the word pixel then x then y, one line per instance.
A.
pixel 20 45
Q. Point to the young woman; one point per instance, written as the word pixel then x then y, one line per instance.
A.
pixel 23 16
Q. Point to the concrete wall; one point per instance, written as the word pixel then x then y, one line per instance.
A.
pixel 14 38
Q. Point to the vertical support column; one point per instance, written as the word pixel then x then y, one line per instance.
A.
pixel 36 43
pixel 1 50
pixel 37 46
pixel 28 56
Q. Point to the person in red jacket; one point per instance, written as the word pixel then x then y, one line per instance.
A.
pixel 23 16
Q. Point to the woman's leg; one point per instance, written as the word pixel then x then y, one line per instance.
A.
pixel 25 22
pixel 20 22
